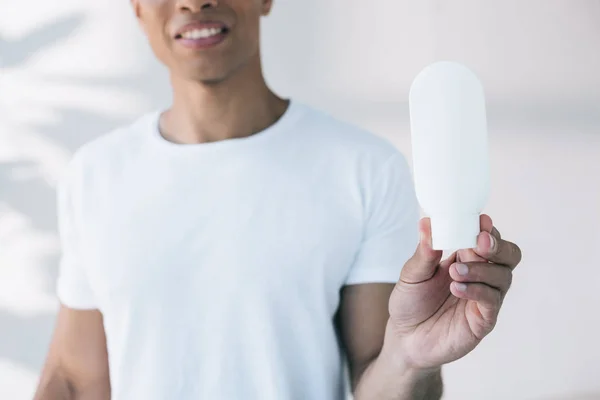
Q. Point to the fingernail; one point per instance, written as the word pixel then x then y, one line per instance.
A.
pixel 424 239
pixel 462 269
pixel 492 242
pixel 461 287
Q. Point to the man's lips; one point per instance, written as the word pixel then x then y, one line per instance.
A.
pixel 201 35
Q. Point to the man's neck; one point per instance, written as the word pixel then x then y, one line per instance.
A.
pixel 237 107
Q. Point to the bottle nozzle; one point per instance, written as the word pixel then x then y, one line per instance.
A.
pixel 455 232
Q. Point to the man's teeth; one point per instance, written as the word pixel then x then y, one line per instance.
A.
pixel 201 33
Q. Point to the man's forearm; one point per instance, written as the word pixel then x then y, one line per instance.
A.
pixel 54 386
pixel 386 380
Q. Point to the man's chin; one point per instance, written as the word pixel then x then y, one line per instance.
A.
pixel 206 74
pixel 209 79
pixel 210 74
pixel 212 81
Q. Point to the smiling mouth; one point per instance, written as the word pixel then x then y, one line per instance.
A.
pixel 202 33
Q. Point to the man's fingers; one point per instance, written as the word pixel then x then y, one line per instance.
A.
pixel 452 258
pixel 487 304
pixel 423 264
pixel 496 233
pixel 485 222
pixel 469 255
pixel 497 250
pixel 494 275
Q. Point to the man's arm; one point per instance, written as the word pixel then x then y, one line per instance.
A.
pixel 77 364
pixel 386 380
pixel 362 318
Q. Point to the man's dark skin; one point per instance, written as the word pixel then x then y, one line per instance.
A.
pixel 396 337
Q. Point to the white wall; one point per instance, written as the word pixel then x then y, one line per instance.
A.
pixel 71 70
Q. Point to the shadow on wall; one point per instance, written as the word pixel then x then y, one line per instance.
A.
pixel 22 188
pixel 20 339
pixel 18 52
pixel 32 197
pixel 24 339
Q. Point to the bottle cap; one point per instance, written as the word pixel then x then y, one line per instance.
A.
pixel 454 231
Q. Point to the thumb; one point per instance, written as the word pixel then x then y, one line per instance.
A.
pixel 423 264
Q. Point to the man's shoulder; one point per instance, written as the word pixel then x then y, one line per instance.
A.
pixel 111 146
pixel 341 136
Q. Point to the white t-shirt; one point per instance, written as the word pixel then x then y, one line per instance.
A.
pixel 218 266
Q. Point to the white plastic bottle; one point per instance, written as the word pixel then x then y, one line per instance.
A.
pixel 450 152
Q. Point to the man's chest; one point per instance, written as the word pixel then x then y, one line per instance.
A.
pixel 170 242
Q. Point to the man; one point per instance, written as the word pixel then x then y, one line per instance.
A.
pixel 238 245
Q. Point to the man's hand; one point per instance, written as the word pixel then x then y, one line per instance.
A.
pixel 440 311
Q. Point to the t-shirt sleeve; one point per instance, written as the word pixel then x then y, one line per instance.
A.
pixel 390 234
pixel 73 288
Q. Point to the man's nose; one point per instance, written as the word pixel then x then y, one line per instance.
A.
pixel 196 5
